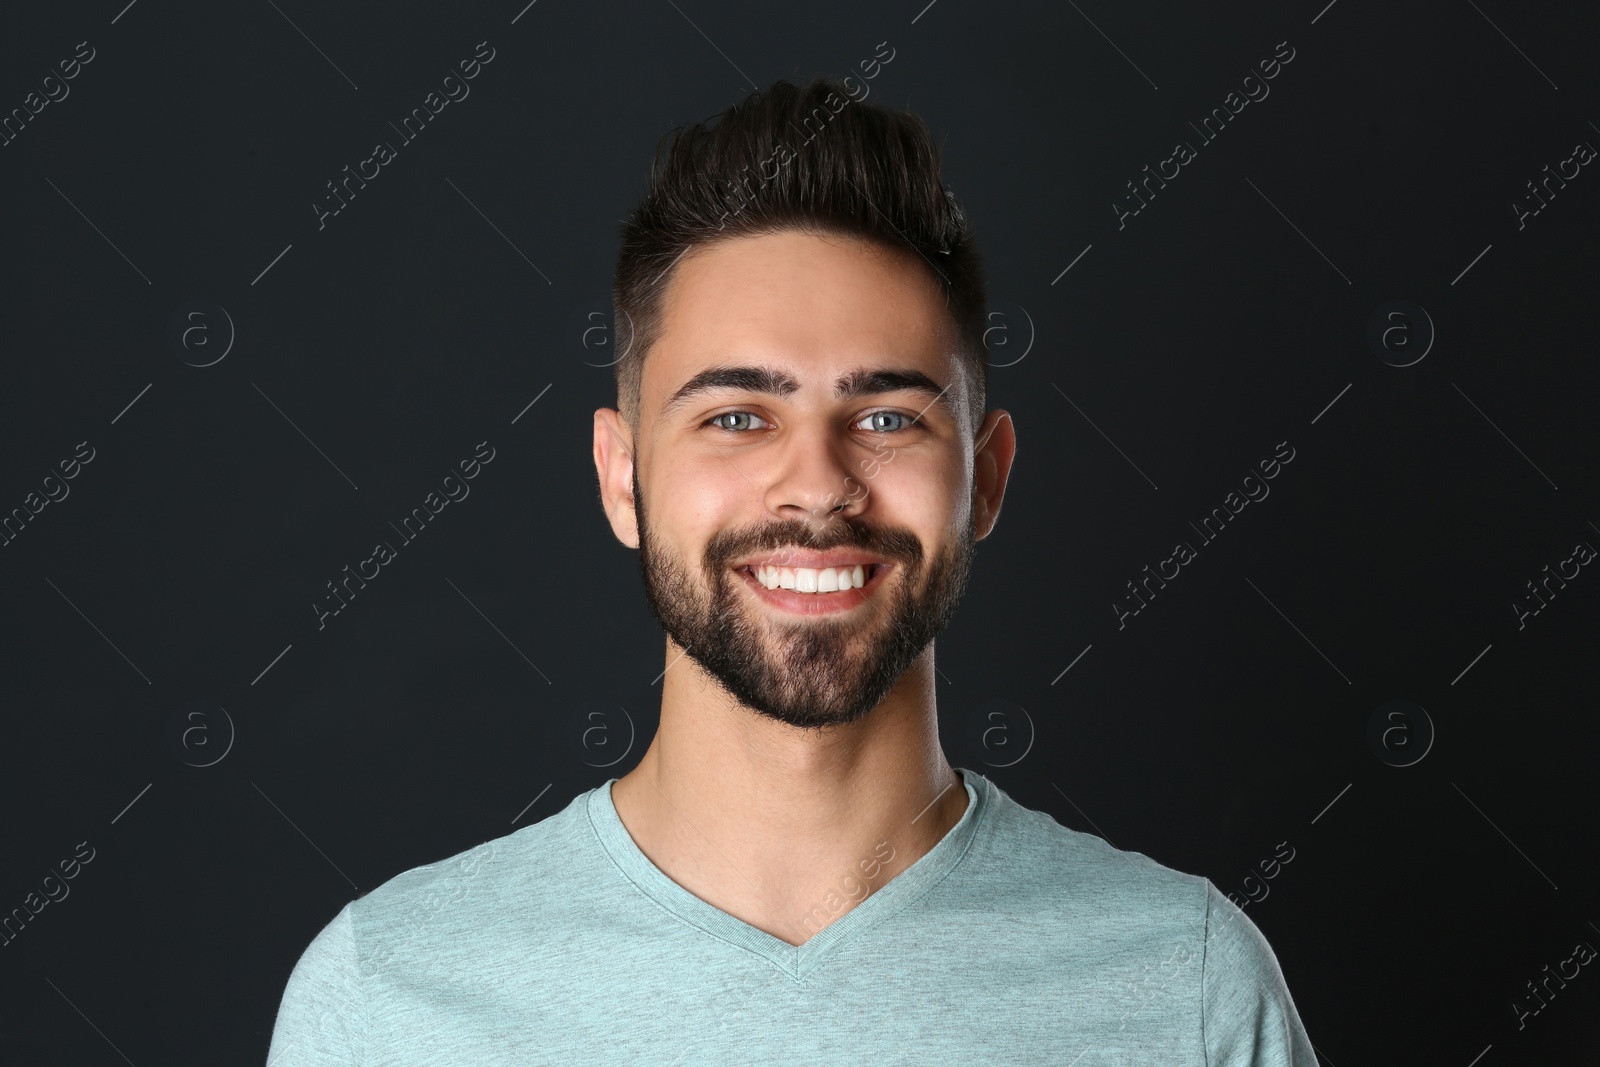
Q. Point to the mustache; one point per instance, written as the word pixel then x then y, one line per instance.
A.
pixel 899 545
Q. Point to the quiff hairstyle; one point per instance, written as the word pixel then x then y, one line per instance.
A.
pixel 811 159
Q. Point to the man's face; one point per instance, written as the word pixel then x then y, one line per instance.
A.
pixel 769 462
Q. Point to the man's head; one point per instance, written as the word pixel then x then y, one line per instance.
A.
pixel 802 384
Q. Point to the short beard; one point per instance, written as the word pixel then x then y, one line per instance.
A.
pixel 822 677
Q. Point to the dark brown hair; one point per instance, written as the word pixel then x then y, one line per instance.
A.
pixel 812 159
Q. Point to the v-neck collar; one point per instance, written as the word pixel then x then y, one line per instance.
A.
pixel 796 961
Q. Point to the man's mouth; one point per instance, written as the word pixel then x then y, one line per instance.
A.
pixel 814 579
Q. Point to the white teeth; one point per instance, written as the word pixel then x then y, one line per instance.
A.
pixel 812 579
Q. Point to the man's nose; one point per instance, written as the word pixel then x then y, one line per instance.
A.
pixel 815 477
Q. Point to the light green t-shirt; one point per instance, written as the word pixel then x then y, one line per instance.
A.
pixel 1015 940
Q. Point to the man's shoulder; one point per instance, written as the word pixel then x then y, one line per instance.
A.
pixel 1056 868
pixel 515 870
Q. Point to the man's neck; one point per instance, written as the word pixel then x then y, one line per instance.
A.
pixel 788 829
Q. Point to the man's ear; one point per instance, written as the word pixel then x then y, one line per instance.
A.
pixel 613 462
pixel 994 447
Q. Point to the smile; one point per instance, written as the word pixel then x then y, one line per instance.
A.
pixel 815 590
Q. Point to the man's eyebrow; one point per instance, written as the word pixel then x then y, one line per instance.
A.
pixel 780 383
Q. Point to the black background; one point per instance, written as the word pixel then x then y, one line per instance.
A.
pixel 453 700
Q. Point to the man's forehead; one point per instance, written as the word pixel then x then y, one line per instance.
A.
pixel 792 313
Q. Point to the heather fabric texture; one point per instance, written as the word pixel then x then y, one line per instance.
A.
pixel 1015 940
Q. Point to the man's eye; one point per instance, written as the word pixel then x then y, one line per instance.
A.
pixel 716 421
pixel 905 421
pixel 897 421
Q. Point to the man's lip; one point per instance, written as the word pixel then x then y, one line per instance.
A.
pixel 797 603
pixel 812 560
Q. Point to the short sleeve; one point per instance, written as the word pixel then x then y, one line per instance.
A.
pixel 1249 1017
pixel 321 1020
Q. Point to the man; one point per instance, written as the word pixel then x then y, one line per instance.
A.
pixel 793 873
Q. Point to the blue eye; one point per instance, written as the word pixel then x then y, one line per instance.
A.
pixel 715 421
pixel 890 414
